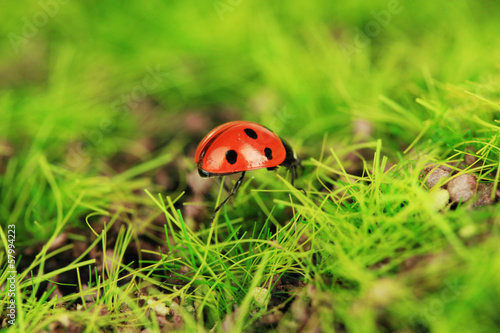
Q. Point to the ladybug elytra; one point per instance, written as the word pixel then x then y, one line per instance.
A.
pixel 240 146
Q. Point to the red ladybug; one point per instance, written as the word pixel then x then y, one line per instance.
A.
pixel 239 146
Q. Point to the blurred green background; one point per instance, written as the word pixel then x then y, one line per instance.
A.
pixel 96 93
pixel 82 82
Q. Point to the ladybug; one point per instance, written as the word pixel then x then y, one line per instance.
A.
pixel 240 146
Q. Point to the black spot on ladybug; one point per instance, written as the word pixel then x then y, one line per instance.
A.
pixel 231 156
pixel 269 153
pixel 251 133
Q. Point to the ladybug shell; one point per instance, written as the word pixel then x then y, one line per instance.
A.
pixel 238 146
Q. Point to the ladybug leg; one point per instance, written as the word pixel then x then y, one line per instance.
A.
pixel 293 170
pixel 233 192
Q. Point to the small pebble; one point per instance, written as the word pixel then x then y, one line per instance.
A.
pixel 259 295
pixel 484 195
pixel 440 199
pixel 435 174
pixel 158 307
pixel 462 188
pixel 469 157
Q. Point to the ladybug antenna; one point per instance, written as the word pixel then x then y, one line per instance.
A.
pixel 291 162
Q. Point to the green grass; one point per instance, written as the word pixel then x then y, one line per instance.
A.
pixel 102 107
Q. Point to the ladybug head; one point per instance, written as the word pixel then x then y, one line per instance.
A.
pixel 291 158
pixel 292 161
